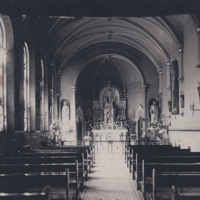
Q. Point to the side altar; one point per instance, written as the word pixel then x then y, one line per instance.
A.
pixel 109 113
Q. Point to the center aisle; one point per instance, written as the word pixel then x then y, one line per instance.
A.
pixel 109 180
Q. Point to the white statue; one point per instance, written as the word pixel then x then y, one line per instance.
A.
pixel 65 117
pixel 108 112
pixel 154 112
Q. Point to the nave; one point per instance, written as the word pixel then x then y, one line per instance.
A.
pixel 109 179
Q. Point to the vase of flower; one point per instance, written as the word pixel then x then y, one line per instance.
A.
pixel 87 140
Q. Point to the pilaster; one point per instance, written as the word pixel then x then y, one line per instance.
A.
pixel 73 111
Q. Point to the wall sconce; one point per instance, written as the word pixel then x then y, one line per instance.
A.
pixel 192 108
pixel 169 106
pixel 166 116
pixel 178 114
pixel 198 89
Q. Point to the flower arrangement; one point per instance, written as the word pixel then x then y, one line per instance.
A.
pixel 160 131
pixel 119 120
pixel 132 136
pixel 55 128
pixel 87 138
pixel 89 124
pixel 97 123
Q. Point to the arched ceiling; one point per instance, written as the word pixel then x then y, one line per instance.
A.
pixel 156 37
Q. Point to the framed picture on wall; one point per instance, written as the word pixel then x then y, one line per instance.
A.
pixel 182 100
pixel 175 88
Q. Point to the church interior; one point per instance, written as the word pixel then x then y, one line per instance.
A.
pixel 100 107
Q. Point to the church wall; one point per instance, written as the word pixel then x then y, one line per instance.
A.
pixel 134 99
pixel 185 130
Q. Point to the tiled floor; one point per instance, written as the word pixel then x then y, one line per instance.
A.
pixel 109 180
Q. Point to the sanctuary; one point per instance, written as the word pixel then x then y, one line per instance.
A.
pixel 109 110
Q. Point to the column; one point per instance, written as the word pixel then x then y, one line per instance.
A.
pixel 32 108
pixel 46 97
pixel 73 109
pixel 160 81
pixel 58 93
pixel 54 91
pixel 51 91
pixel 180 51
pixel 198 46
pixel 144 122
pixel 10 90
pixel 168 63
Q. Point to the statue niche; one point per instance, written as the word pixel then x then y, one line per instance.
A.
pixel 109 107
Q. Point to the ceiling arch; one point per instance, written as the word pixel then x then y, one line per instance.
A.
pixel 116 64
pixel 83 64
pixel 136 45
pixel 156 37
pixel 94 31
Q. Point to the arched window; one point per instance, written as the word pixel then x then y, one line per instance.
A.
pixel 26 88
pixel 175 87
pixel 42 97
pixel 2 78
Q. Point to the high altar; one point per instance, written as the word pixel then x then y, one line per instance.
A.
pixel 110 109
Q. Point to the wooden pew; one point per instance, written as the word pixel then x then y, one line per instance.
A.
pixel 172 168
pixel 73 148
pixel 139 147
pixel 80 148
pixel 36 164
pixel 153 149
pixel 183 195
pixel 31 181
pixel 167 179
pixel 135 163
pixel 59 153
pixel 46 195
pixel 173 157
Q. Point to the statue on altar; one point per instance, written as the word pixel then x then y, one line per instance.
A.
pixel 108 111
pixel 109 105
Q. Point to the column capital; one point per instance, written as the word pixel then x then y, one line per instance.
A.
pixel 74 88
pixel 167 62
pixel 59 73
pixel 180 50
pixel 52 64
pixel 198 29
pixel 144 88
pixel 159 72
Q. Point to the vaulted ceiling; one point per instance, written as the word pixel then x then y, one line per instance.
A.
pixel 155 37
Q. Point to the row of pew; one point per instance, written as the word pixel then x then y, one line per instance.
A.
pixel 56 172
pixel 164 172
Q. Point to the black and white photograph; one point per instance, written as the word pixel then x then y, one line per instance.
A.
pixel 99 99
